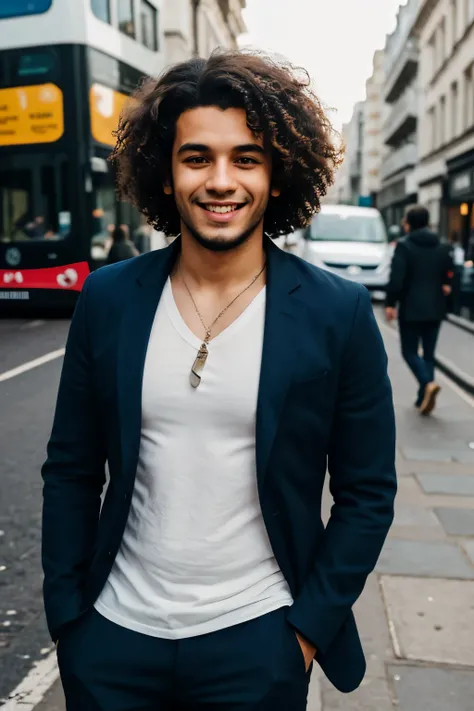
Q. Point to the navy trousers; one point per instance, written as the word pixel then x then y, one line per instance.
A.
pixel 255 665
pixel 411 335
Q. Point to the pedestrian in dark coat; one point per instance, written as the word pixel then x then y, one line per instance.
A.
pixel 122 247
pixel 420 281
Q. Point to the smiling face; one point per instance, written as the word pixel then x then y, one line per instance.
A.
pixel 221 177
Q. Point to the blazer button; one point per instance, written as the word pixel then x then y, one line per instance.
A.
pixel 109 553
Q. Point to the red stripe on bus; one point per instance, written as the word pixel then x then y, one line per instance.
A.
pixel 70 277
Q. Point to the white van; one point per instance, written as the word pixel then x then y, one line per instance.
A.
pixel 352 242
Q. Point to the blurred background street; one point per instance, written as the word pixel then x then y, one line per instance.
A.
pixel 403 92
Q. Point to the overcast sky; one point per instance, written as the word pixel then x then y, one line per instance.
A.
pixel 333 39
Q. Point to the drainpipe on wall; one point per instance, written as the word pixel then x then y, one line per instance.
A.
pixel 195 6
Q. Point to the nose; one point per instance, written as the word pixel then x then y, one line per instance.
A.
pixel 221 179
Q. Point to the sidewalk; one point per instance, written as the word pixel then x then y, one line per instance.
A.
pixel 416 615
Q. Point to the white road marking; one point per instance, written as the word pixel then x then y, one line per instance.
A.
pixel 32 324
pixel 32 690
pixel 441 376
pixel 32 364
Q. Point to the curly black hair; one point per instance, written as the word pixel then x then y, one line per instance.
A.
pixel 280 106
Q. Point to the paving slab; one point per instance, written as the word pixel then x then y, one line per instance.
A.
pixel 418 454
pixel 457 452
pixel 414 516
pixel 431 620
pixel 456 522
pixel 372 695
pixel 433 689
pixel 451 485
pixel 424 558
pixel 54 699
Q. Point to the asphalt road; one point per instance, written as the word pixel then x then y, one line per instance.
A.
pixel 25 422
pixel 26 416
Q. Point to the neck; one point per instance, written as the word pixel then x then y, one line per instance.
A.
pixel 221 269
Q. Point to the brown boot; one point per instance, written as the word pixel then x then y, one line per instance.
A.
pixel 429 400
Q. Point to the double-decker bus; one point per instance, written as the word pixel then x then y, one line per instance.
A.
pixel 66 69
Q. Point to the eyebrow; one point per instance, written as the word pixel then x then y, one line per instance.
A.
pixel 202 148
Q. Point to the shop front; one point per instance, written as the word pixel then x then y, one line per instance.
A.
pixel 460 210
pixel 460 202
pixel 393 200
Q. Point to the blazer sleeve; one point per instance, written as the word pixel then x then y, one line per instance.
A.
pixel 361 464
pixel 398 271
pixel 74 476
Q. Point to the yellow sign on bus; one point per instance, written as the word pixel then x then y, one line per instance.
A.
pixel 106 107
pixel 31 114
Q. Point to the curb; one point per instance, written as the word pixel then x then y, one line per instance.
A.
pixel 465 381
pixel 461 323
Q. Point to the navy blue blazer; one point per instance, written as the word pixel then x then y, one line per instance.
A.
pixel 324 403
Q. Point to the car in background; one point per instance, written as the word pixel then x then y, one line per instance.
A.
pixel 352 242
pixel 291 242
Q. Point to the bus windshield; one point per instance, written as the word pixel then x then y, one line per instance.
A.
pixel 34 199
pixel 16 8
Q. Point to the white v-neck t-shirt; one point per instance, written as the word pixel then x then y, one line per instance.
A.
pixel 195 556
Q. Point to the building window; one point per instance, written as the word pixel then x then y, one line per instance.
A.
pixel 442 42
pixel 454 22
pixel 16 8
pixel 442 121
pixel 149 25
pixel 101 9
pixel 468 98
pixel 433 58
pixel 433 122
pixel 126 19
pixel 454 110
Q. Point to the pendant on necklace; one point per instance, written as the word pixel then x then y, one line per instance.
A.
pixel 198 365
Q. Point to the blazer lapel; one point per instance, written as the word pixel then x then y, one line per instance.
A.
pixel 279 357
pixel 280 349
pixel 135 330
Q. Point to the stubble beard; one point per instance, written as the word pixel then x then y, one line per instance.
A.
pixel 223 244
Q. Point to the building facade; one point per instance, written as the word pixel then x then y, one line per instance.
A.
pixel 347 189
pixel 444 30
pixel 400 127
pixel 373 150
pixel 200 26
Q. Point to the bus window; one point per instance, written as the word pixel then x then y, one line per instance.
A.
pixel 17 8
pixel 35 64
pixel 34 202
pixel 104 214
pixel 101 9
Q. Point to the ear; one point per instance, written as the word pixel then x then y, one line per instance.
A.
pixel 167 189
pixel 275 191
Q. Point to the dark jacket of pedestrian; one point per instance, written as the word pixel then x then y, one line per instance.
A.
pixel 122 247
pixel 421 265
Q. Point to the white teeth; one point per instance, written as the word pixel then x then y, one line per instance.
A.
pixel 221 208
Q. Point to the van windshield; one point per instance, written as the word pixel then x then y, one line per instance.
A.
pixel 347 228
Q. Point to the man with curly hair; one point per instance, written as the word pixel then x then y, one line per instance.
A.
pixel 218 378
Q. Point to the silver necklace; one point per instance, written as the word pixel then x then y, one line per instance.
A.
pixel 203 352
